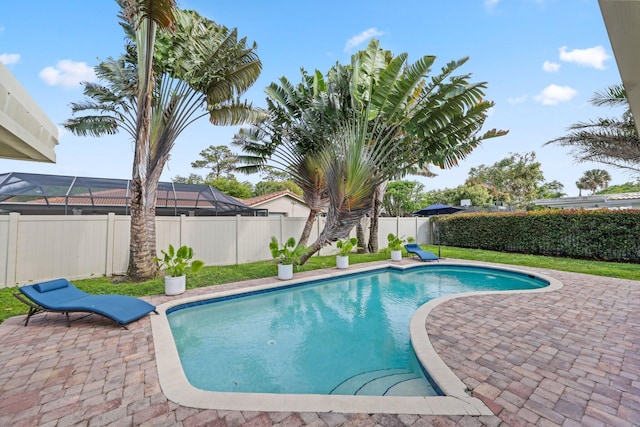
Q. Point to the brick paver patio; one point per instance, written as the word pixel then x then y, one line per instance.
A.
pixel 564 358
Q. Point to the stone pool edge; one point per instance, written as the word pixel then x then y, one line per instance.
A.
pixel 456 401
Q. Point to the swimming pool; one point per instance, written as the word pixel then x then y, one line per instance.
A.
pixel 456 399
pixel 347 335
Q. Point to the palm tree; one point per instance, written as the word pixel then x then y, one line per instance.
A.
pixel 609 141
pixel 202 70
pixel 594 179
pixel 147 16
pixel 580 187
pixel 381 110
pixel 300 121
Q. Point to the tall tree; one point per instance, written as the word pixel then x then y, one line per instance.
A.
pixel 627 187
pixel 220 159
pixel 610 141
pixel 595 179
pixel 402 198
pixel 382 109
pixel 550 190
pixel 191 179
pixel 201 69
pixel 514 179
pixel 146 15
pixel 476 193
pixel 580 186
pixel 300 120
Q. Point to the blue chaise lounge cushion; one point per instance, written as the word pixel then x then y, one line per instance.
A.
pixel 61 295
pixel 415 249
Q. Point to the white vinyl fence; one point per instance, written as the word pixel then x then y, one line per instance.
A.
pixel 34 248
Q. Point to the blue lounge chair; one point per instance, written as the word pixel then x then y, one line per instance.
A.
pixel 61 296
pixel 416 250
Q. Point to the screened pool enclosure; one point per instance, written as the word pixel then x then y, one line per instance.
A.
pixel 36 194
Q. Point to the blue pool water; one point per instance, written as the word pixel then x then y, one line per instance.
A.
pixel 348 335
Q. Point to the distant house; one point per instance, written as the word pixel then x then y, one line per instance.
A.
pixel 597 201
pixel 281 203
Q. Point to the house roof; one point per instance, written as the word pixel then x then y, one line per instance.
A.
pixel 595 201
pixel 622 20
pixel 259 200
pixel 26 133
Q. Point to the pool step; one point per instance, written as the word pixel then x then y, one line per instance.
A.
pixel 385 382
pixel 413 387
pixel 380 386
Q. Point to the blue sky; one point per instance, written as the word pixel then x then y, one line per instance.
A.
pixel 542 61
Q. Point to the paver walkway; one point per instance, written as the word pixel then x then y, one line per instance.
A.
pixel 565 358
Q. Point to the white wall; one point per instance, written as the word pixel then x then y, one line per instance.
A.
pixel 285 205
pixel 40 247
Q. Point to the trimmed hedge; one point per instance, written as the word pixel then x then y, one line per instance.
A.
pixel 589 234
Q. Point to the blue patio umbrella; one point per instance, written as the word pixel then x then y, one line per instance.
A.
pixel 437 209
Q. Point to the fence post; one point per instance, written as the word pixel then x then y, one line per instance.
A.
pixel 12 249
pixel 111 225
pixel 238 239
pixel 183 227
pixel 430 230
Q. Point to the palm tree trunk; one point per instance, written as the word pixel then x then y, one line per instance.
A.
pixel 306 231
pixel 362 238
pixel 150 217
pixel 375 215
pixel 338 226
pixel 141 266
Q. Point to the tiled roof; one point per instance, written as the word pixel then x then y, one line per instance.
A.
pixel 625 196
pixel 266 197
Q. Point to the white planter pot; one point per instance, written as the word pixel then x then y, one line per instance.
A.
pixel 285 271
pixel 342 261
pixel 396 255
pixel 175 285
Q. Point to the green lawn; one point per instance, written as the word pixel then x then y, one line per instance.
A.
pixel 209 276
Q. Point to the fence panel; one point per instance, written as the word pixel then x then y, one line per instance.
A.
pixel 214 240
pixel 254 235
pixel 42 247
pixel 60 246
pixel 120 244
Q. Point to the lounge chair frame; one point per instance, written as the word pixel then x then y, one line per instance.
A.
pixel 416 250
pixel 110 307
pixel 36 309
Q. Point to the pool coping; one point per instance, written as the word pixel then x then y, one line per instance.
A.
pixel 457 400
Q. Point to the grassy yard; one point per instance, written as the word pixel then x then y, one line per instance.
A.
pixel 210 276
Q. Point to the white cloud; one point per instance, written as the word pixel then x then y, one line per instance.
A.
pixel 489 4
pixel 550 67
pixel 9 58
pixel 517 99
pixel 68 73
pixel 591 57
pixel 357 40
pixel 554 94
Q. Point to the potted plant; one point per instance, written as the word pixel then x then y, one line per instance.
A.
pixel 345 246
pixel 174 263
pixel 286 255
pixel 395 246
